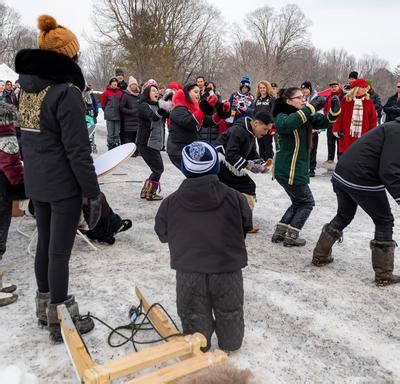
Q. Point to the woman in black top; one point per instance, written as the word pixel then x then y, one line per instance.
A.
pixel 265 101
pixel 150 138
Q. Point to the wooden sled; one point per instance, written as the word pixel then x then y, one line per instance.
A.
pixel 184 348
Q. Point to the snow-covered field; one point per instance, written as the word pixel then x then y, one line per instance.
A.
pixel 303 324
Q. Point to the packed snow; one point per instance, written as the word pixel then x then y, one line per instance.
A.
pixel 303 324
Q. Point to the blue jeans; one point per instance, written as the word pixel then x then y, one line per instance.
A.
pixel 302 204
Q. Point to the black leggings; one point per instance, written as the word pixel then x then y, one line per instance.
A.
pixel 153 159
pixel 57 223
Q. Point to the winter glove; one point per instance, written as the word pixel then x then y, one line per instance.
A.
pixel 206 107
pixel 318 102
pixel 254 167
pixel 336 134
pixel 168 95
pixel 165 105
pixel 92 211
pixel 224 110
pixel 212 100
pixel 335 104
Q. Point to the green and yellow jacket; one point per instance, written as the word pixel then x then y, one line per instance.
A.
pixel 294 140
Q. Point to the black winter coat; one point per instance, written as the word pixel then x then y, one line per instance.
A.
pixel 392 108
pixel 377 103
pixel 372 163
pixel 237 144
pixel 129 107
pixel 204 223
pixel 55 140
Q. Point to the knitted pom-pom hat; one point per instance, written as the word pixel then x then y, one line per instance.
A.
pixel 55 37
pixel 199 159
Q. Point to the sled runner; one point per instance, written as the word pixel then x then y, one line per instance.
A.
pixel 184 348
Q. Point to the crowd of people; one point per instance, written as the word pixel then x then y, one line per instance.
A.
pixel 216 143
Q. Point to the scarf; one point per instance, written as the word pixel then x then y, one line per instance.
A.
pixel 357 118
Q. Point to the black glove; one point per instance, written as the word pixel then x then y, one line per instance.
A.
pixel 92 211
pixel 335 104
pixel 318 103
pixel 206 107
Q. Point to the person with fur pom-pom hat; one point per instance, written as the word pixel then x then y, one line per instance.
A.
pixel 58 166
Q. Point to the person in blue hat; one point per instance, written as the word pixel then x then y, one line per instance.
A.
pixel 204 223
pixel 242 101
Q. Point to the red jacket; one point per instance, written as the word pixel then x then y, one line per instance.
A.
pixel 109 92
pixel 10 160
pixel 343 123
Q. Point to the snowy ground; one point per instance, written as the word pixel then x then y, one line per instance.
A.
pixel 303 324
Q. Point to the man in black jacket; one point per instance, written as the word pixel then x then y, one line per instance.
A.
pixel 362 174
pixel 58 167
pixel 392 106
pixel 238 154
pixel 204 223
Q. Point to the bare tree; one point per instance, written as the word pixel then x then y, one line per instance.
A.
pixel 13 36
pixel 158 38
pixel 98 64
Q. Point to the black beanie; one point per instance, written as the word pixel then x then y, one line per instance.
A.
pixel 307 84
pixel 353 75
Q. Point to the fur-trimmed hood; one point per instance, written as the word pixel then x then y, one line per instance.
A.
pixel 179 100
pixel 8 114
pixel 39 68
pixel 281 106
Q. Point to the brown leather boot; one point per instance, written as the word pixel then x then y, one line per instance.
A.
pixel 145 188
pixel 383 262
pixel 322 253
pixel 151 194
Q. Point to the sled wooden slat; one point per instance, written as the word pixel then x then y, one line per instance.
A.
pixel 73 342
pixel 161 322
pixel 179 370
pixel 137 361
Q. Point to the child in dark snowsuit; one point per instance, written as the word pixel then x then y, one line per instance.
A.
pixel 204 223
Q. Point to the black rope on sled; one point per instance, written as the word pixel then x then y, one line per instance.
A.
pixel 138 323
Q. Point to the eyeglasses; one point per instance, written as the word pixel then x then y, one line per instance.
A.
pixel 298 97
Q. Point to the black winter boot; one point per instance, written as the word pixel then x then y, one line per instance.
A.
pixel 322 253
pixel 383 262
pixel 280 232
pixel 42 302
pixel 292 238
pixel 6 287
pixel 83 325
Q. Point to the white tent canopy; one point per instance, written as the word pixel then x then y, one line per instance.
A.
pixel 6 73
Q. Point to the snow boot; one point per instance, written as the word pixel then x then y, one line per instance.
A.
pixel 251 200
pixel 42 302
pixel 151 194
pixel 145 188
pixel 83 325
pixel 280 233
pixel 7 298
pixel 292 238
pixel 6 287
pixel 383 262
pixel 322 253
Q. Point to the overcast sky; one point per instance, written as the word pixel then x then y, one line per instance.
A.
pixel 359 26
